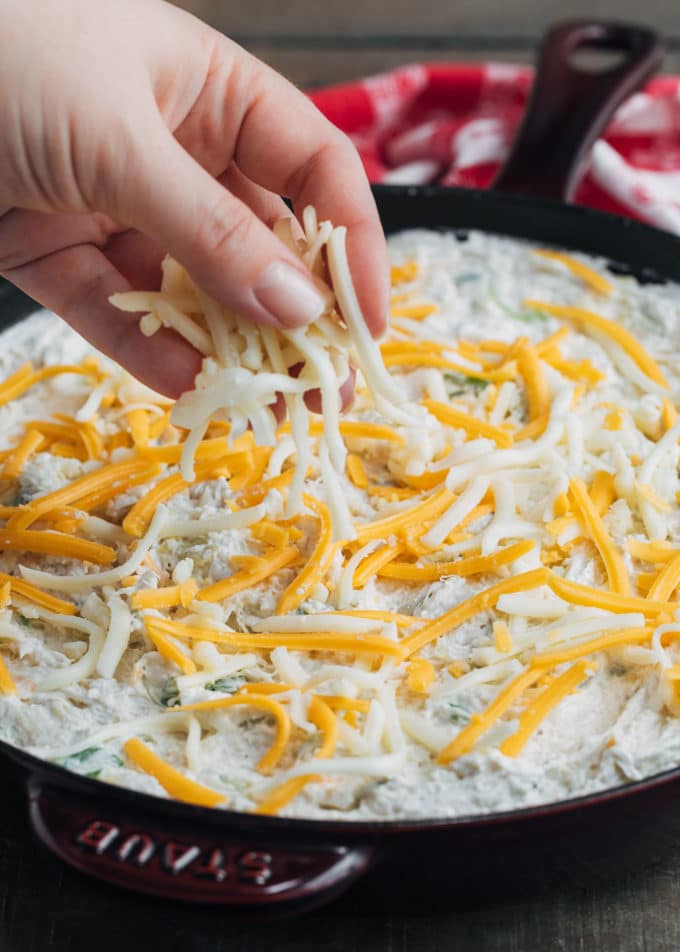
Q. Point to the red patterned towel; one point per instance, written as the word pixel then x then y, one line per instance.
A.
pixel 453 123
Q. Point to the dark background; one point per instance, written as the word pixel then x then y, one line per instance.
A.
pixel 315 42
pixel 45 906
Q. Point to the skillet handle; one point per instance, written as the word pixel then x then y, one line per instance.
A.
pixel 570 106
pixel 188 860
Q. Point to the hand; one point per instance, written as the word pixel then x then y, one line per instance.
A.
pixel 131 129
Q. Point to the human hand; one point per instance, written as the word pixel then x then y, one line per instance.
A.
pixel 133 129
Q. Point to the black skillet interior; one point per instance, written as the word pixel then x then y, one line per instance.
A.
pixel 630 247
pixel 194 854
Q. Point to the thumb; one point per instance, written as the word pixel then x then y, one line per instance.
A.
pixel 227 250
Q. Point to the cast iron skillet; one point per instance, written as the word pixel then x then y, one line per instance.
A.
pixel 196 854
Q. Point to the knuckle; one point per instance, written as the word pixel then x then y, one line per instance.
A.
pixel 224 227
pixel 12 252
pixel 335 155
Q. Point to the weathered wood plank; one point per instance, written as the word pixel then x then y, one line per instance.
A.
pixel 440 18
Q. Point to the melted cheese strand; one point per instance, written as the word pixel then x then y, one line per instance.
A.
pixel 7 685
pixel 49 542
pixel 173 782
pixel 655 524
pixel 117 637
pixel 318 563
pixel 475 565
pixel 384 390
pixel 480 723
pixel 312 640
pixel 220 522
pixel 595 281
pixel 614 639
pixel 612 329
pixel 480 602
pixel 86 665
pixel 30 593
pixel 30 443
pixel 113 478
pixel 613 561
pixel 138 518
pixel 171 651
pixel 171 596
pixel 373 564
pixel 262 569
pixel 320 713
pixel 463 421
pixel 651 551
pixel 457 513
pixel 666 581
pixel 579 594
pixel 81 583
pixel 383 528
pixel 265 703
pixel 280 796
pixel 539 708
pixel 16 384
pixel 535 383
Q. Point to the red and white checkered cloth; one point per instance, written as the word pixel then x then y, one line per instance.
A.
pixel 453 124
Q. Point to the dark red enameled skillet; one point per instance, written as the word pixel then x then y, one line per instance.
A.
pixel 196 854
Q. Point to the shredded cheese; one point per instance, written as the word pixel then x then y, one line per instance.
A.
pixel 613 561
pixel 266 703
pixel 538 709
pixel 318 563
pixel 173 781
pixel 311 640
pixel 480 724
pixel 589 320
pixel 7 685
pixel 593 279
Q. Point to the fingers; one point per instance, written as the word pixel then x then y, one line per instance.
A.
pixel 137 257
pixel 26 235
pixel 268 207
pixel 288 147
pixel 76 283
pixel 226 248
pixel 313 398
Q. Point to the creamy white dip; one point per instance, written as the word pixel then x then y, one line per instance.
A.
pixel 620 725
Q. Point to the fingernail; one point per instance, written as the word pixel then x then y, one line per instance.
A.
pixel 288 296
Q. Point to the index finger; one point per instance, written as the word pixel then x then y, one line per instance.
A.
pixel 286 145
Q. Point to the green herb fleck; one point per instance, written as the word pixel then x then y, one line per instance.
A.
pixel 617 670
pixel 527 316
pixel 169 695
pixel 84 754
pixel 458 384
pixel 24 621
pixel 225 685
pixel 458 714
pixel 166 694
pixel 466 277
pixel 241 786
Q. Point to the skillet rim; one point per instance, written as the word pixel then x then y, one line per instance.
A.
pixel 42 773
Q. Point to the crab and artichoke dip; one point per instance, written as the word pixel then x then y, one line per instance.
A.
pixel 499 627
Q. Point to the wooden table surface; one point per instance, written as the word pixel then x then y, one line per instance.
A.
pixel 43 905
